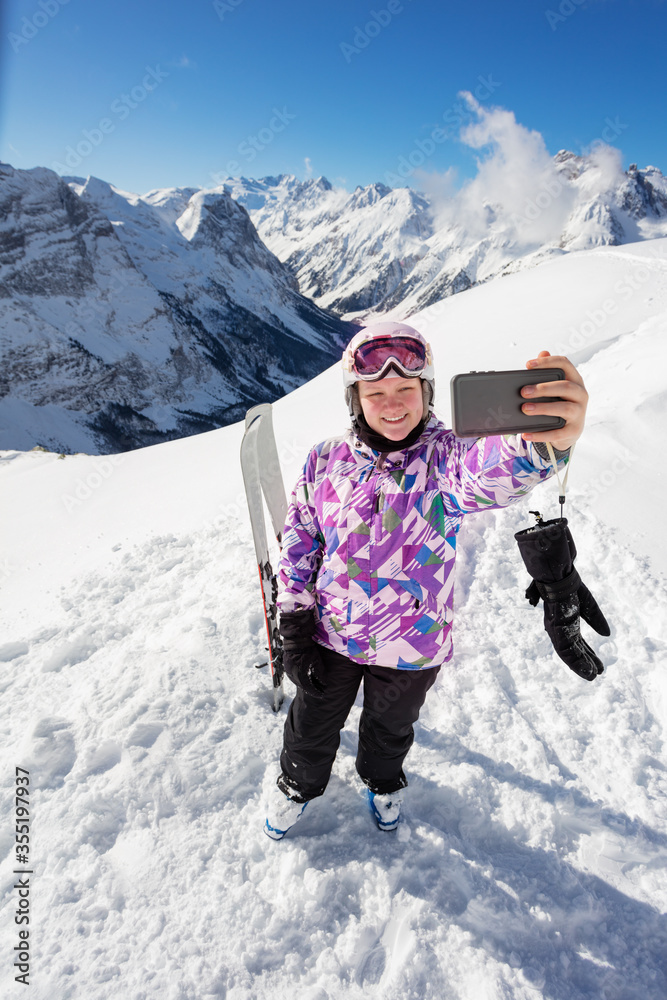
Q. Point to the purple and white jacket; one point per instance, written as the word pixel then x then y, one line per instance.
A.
pixel 370 539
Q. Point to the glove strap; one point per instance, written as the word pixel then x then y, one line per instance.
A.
pixel 559 590
pixel 562 486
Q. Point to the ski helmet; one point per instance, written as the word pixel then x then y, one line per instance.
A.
pixel 387 350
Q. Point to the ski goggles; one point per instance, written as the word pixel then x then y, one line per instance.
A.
pixel 374 359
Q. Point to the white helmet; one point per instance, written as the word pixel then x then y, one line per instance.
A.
pixel 387 350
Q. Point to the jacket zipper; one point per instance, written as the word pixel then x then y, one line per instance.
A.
pixel 379 465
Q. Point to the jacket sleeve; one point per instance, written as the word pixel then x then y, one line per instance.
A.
pixel 303 541
pixel 492 472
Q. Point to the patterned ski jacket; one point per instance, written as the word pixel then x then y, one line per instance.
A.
pixel 370 539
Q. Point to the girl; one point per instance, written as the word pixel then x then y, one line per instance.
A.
pixel 367 566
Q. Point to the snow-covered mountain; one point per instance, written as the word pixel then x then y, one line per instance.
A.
pixel 126 320
pixel 349 252
pixel 532 860
pixel 381 250
pixel 129 319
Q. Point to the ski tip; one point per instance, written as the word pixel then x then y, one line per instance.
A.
pixel 256 411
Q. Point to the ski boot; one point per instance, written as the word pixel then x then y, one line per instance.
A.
pixel 385 809
pixel 281 813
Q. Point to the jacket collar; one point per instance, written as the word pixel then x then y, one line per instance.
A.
pixel 397 458
pixel 377 442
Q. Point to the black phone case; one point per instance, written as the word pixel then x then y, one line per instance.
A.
pixel 485 403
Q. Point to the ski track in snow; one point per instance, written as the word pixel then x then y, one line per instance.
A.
pixel 532 860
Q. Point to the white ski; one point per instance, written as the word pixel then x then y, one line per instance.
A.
pixel 262 477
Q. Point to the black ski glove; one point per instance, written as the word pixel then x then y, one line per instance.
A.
pixel 548 550
pixel 302 658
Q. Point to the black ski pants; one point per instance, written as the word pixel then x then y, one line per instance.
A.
pixel 392 700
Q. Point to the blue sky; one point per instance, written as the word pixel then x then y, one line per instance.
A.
pixel 155 94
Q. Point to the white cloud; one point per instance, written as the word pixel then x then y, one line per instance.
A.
pixel 608 167
pixel 517 188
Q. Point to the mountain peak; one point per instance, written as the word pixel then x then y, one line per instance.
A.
pixel 132 320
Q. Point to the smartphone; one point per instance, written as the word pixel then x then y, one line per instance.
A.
pixel 485 403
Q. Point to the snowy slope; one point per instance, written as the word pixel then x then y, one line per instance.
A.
pixel 533 855
pixel 606 310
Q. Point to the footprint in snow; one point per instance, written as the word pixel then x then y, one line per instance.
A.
pixel 144 734
pixel 371 965
pixel 102 758
pixel 69 654
pixel 12 650
pixel 52 754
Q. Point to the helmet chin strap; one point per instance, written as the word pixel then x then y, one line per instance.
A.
pixel 427 396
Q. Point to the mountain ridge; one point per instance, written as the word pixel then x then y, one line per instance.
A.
pixel 130 319
pixel 406 249
pixel 141 320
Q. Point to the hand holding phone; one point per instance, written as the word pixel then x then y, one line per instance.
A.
pixel 573 405
pixel 565 412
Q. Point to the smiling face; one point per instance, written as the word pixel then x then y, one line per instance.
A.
pixel 392 406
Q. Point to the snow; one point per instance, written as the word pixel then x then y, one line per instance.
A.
pixel 532 859
pixel 127 313
pixel 377 248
